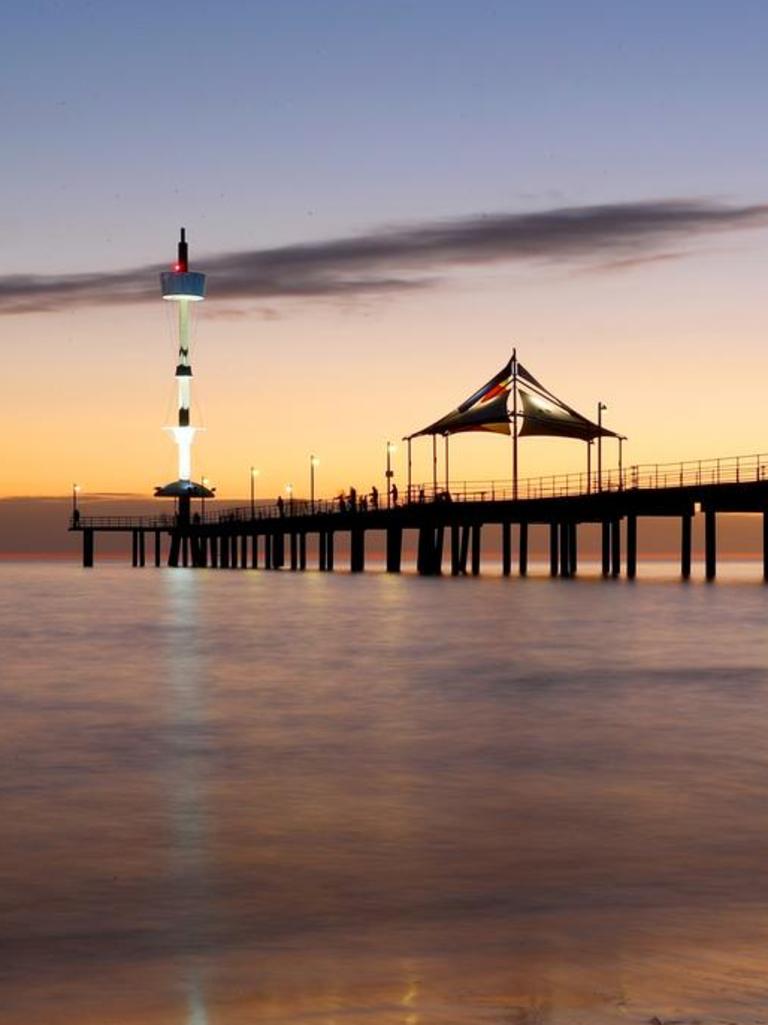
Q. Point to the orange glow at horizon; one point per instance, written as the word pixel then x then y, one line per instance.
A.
pixel 676 350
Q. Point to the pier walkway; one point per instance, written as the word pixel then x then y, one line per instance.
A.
pixel 274 537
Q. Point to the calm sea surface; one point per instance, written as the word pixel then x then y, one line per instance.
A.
pixel 242 797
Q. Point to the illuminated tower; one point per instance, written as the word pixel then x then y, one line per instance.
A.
pixel 183 287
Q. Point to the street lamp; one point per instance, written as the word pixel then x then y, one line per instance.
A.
pixel 254 475
pixel 600 407
pixel 313 462
pixel 205 482
pixel 289 491
pixel 75 493
pixel 391 449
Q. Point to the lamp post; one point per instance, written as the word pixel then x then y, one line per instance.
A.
pixel 390 472
pixel 254 475
pixel 289 491
pixel 75 493
pixel 600 407
pixel 205 482
pixel 313 463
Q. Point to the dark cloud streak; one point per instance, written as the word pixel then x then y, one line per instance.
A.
pixel 395 260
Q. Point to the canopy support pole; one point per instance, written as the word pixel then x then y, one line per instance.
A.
pixel 447 475
pixel 589 466
pixel 434 466
pixel 514 424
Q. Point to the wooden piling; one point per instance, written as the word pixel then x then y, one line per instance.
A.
pixel 615 547
pixel 765 545
pixel 455 549
pixel 357 550
pixel 88 548
pixel 573 551
pixel 685 546
pixel 553 549
pixel 565 550
pixel 464 553
pixel 606 546
pixel 522 552
pixel 294 551
pixel 710 544
pixel 329 542
pixel 134 548
pixel 476 540
pixel 302 550
pixel 394 549
pixel 506 549
pixel 631 546
pixel 158 551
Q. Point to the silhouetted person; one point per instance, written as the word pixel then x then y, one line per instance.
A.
pixel 421 494
pixel 196 518
pixel 280 506
pixel 375 497
pixel 352 499
pixel 395 494
pixel 363 503
pixel 342 503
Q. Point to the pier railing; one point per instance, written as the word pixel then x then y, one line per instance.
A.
pixel 649 476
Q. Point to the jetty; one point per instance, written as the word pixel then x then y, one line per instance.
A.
pixel 449 523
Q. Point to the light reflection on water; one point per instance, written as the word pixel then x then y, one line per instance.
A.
pixel 238 797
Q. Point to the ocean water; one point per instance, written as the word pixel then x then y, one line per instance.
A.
pixel 243 797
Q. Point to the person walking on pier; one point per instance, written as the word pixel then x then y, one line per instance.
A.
pixel 395 494
pixel 280 506
pixel 352 499
pixel 374 497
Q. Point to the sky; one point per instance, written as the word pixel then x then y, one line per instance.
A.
pixel 387 196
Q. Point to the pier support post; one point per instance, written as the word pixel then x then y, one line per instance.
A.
pixel 88 548
pixel 631 546
pixel 224 551
pixel 565 550
pixel 142 548
pixel 685 546
pixel 357 550
pixel 455 549
pixel 765 545
pixel 710 544
pixel 422 551
pixel 233 563
pixel 158 553
pixel 321 550
pixel 394 549
pixel 476 539
pixel 213 549
pixel 329 541
pixel 437 551
pixel 523 550
pixel 615 547
pixel 278 550
pixel 302 550
pixel 174 549
pixel 134 548
pixel 254 551
pixel 185 550
pixel 573 551
pixel 506 548
pixel 267 551
pixel 606 546
pixel 294 551
pixel 553 549
pixel 243 551
pixel 464 553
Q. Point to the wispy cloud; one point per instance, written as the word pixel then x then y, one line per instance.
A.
pixel 398 259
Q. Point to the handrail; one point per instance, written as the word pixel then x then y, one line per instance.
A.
pixel 648 476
